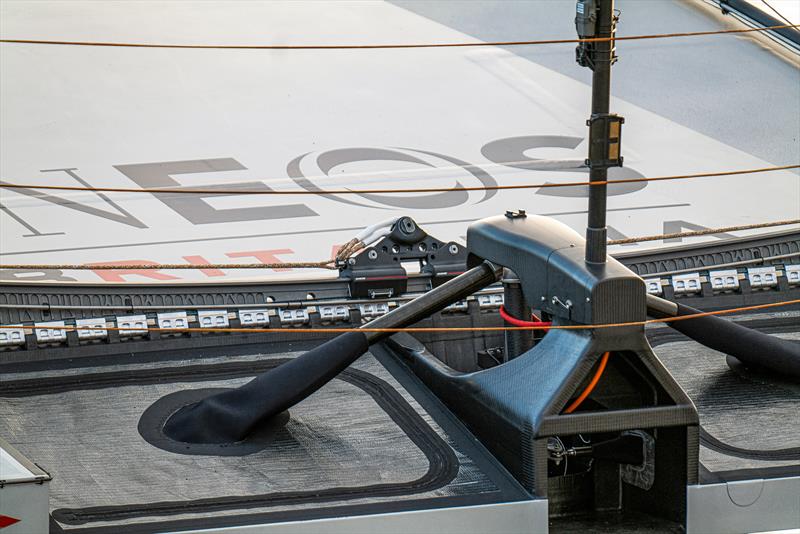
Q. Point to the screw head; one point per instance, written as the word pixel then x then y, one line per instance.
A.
pixel 351 261
pixel 407 225
pixel 372 255
pixel 453 249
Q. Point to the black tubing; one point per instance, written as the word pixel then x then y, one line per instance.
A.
pixel 751 347
pixel 230 416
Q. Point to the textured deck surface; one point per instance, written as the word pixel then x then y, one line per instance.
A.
pixel 755 418
pixel 362 439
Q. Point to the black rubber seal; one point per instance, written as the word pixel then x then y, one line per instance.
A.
pixel 233 414
pixel 151 427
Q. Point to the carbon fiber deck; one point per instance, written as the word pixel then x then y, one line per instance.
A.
pixel 362 441
pixel 749 421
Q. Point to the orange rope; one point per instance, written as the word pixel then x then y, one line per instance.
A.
pixel 421 329
pixel 590 387
pixel 707 231
pixel 374 191
pixel 397 45
pixel 331 264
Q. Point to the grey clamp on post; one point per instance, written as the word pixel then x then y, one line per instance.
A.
pixel 517 407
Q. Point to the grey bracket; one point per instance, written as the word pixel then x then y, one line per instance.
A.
pixel 378 270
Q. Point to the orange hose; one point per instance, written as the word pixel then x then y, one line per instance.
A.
pixel 590 387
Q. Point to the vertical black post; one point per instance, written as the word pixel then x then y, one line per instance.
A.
pixel 516 341
pixel 603 56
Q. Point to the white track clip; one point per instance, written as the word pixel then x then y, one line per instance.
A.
pixel 93 328
pixel 254 317
pixel 686 284
pixel 490 302
pixel 11 337
pixel 213 318
pixel 792 274
pixel 724 280
pixel 132 325
pixel 50 333
pixel 372 310
pixel 762 277
pixel 293 316
pixel 653 286
pixel 333 314
pixel 172 321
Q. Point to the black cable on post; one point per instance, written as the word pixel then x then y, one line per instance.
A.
pixel 601 94
pixel 595 19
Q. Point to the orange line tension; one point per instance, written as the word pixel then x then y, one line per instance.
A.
pixel 210 192
pixel 395 45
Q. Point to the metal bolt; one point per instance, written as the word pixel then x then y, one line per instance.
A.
pixel 566 305
pixel 453 249
pixel 423 247
pixel 372 255
pixel 407 225
pixel 351 261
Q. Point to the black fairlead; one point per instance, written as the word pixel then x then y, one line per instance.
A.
pixel 231 415
pixel 151 427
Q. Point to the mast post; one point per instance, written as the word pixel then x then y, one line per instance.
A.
pixel 596 19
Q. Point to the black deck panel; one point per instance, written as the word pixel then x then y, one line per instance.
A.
pixel 370 441
pixel 748 421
